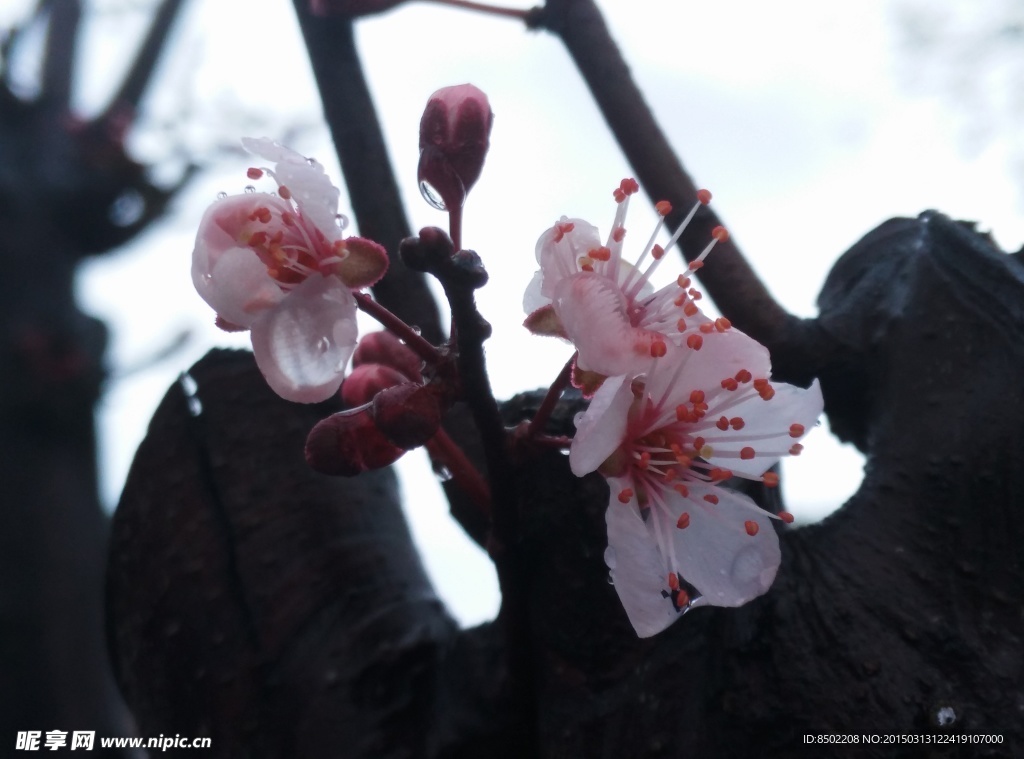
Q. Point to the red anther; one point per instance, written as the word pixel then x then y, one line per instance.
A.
pixel 619 195
pixel 786 517
pixel 694 342
pixel 697 396
pixel 600 254
pixel 707 327
pixel 586 267
pixel 722 423
pixel 682 490
pixel 760 384
pixel 663 207
pixel 768 393
pixel 751 527
pixel 684 520
pixel 682 413
pixel 288 219
pixel 284 192
pixel 720 474
pixel 684 461
pixel 694 265
pixel 722 324
pixel 658 349
pixel 681 325
pixel 730 384
pixel 743 376
pixel 670 474
pixel 737 423
pixel 254 173
pixel 657 252
pixel 704 197
pixel 795 449
pixel 562 229
pixel 645 460
pixel 683 281
pixel 263 214
pixel 625 495
pixel 257 239
pixel 690 309
pixel 720 233
pixel 695 293
pixel 747 453
pixel 673 581
pixel 629 186
pixel 770 479
pixel 682 599
pixel 796 430
pixel 618 234
pixel 711 498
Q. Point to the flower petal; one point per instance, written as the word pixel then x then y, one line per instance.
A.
pixel 237 285
pixel 364 264
pixel 303 345
pixel 310 187
pixel 593 311
pixel 558 252
pixel 715 553
pixel 768 428
pixel 637 568
pixel 601 429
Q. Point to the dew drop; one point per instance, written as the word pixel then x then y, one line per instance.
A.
pixel 432 196
pixel 444 474
pixel 249 189
pixel 341 220
pixel 323 345
pixel 611 580
pixel 311 162
pixel 221 195
pixel 415 329
pixel 609 558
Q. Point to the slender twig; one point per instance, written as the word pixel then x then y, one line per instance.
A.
pixel 416 342
pixel 373 192
pixel 59 61
pixel 132 89
pixel 561 382
pixel 447 452
pixel 729 279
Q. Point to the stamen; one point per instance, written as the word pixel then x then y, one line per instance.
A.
pixel 752 527
pixel 730 384
pixel 737 423
pixel 770 479
pixel 747 453
pixel 703 197
pixel 625 495
pixel 786 517
pixel 796 430
pixel 684 521
pixel 284 192
pixel 743 376
pixel 796 449
pixel 722 324
pixel 254 173
pixel 658 349
pixel 711 498
pixel 663 207
pixel 694 342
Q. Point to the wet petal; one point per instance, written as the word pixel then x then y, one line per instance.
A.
pixel 303 345
pixel 310 187
pixel 716 554
pixel 637 568
pixel 558 252
pixel 602 427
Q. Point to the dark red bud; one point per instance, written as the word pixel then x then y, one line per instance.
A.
pixel 366 380
pixel 349 443
pixel 384 348
pixel 408 415
pixel 429 252
pixel 454 136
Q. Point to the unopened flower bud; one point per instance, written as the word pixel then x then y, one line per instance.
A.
pixel 454 136
pixel 428 252
pixel 366 380
pixel 348 443
pixel 408 415
pixel 384 348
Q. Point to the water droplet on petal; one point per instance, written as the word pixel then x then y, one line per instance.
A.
pixel 221 195
pixel 432 196
pixel 415 329
pixel 249 189
pixel 444 474
pixel 311 161
pixel 609 557
pixel 341 220
pixel 577 419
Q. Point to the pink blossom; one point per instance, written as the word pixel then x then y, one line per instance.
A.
pixel 664 441
pixel 585 291
pixel 277 265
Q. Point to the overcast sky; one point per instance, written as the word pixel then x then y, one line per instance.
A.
pixel 810 122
